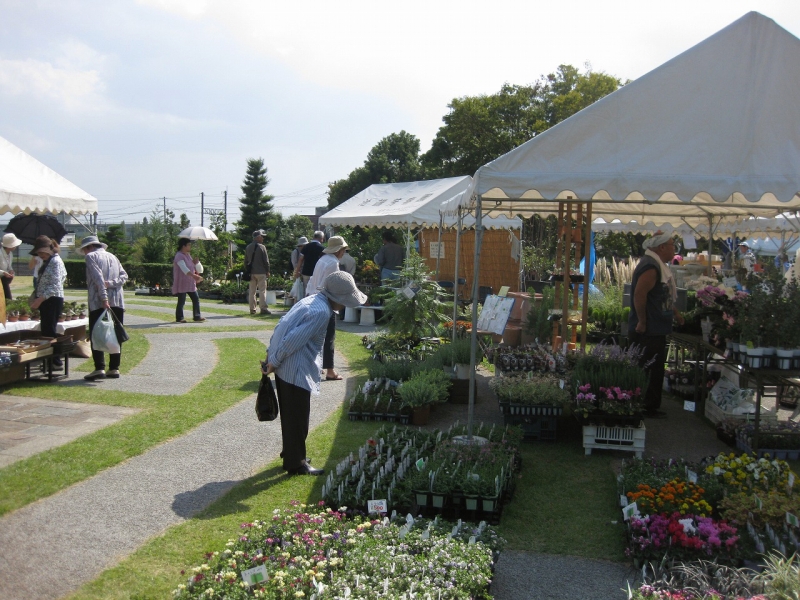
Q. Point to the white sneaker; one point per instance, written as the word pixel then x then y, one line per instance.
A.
pixel 97 374
pixel 113 374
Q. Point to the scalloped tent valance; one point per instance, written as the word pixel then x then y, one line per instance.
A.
pixel 712 133
pixel 27 186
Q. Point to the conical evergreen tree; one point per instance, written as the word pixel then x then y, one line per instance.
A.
pixel 255 210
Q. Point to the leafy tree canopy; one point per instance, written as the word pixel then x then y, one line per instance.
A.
pixel 114 238
pixel 394 159
pixel 479 129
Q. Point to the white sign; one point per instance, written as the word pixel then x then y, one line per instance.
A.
pixel 255 575
pixel 68 240
pixel 689 242
pixel 377 506
pixel 437 249
pixel 688 405
pixel 691 476
pixel 408 292
pixel 632 510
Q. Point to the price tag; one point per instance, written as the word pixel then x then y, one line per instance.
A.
pixel 792 520
pixel 420 464
pixel 691 476
pixel 377 506
pixel 790 483
pixel 408 292
pixel 759 503
pixel 688 405
pixel 561 383
pixel 630 511
pixel 623 500
pixel 255 575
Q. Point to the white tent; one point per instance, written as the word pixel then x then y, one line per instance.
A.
pixel 28 186
pixel 712 133
pixel 407 205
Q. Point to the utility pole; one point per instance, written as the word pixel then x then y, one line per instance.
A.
pixel 226 209
pixel 165 214
pixel 202 212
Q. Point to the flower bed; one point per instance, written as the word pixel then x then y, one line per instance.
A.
pixel 323 553
pixel 780 439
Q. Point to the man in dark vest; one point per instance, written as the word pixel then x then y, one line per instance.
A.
pixel 309 256
pixel 653 295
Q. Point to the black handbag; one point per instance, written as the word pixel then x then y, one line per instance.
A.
pixel 266 401
pixel 119 329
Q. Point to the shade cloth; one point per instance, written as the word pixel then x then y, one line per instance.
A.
pixel 27 186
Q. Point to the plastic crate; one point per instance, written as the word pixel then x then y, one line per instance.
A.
pixel 535 427
pixel 531 410
pixel 630 439
pixel 716 415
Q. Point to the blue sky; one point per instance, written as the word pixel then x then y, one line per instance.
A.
pixel 133 101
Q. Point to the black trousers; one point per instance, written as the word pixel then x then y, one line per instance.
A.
pixel 100 357
pixel 655 346
pixel 6 287
pixel 182 300
pixel 327 345
pixel 49 310
pixel 295 406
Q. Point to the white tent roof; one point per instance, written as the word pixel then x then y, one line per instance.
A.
pixel 411 204
pixel 713 132
pixel 27 186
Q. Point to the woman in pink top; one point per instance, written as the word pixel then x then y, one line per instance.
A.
pixel 185 280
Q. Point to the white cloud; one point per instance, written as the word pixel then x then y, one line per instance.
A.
pixel 71 89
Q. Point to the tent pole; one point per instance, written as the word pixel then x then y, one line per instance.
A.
pixel 459 222
pixel 439 252
pixel 475 296
pixel 710 243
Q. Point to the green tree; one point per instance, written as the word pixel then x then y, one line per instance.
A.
pixel 479 129
pixel 215 255
pixel 114 238
pixel 159 237
pixel 255 210
pixel 394 159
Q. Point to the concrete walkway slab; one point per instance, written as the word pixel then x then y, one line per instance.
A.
pixel 31 425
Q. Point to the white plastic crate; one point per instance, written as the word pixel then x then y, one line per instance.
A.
pixel 630 439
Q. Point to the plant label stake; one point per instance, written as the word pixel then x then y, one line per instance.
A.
pixel 255 575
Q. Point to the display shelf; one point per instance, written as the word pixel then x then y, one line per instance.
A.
pixel 629 439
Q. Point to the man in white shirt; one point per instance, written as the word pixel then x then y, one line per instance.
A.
pixel 328 263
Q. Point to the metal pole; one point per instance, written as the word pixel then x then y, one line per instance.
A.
pixel 475 294
pixel 459 222
pixel 226 209
pixel 439 247
pixel 202 208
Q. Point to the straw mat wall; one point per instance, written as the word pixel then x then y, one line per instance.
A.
pixel 498 266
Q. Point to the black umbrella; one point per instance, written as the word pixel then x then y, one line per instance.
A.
pixel 29 227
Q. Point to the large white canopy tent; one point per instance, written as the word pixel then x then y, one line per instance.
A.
pixel 27 186
pixel 713 134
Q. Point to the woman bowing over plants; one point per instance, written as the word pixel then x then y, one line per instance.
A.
pixel 49 292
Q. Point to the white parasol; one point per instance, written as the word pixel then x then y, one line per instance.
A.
pixel 198 233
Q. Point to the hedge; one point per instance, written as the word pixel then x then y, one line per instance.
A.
pixel 139 274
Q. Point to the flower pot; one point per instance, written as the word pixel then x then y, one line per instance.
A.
pixel 271 297
pixel 784 358
pixel 768 361
pixel 421 497
pixel 471 502
pixel 12 319
pixel 489 504
pixel 755 358
pixel 26 318
pixel 462 371
pixel 420 415
pixel 437 500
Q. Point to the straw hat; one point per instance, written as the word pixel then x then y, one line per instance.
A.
pixel 340 287
pixel 335 244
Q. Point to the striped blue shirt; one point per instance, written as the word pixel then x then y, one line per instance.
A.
pixel 295 348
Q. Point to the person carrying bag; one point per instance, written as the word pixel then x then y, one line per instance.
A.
pixel 105 278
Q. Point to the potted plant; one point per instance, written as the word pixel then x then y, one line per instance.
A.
pixel 461 356
pixel 12 316
pixel 82 311
pixel 23 312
